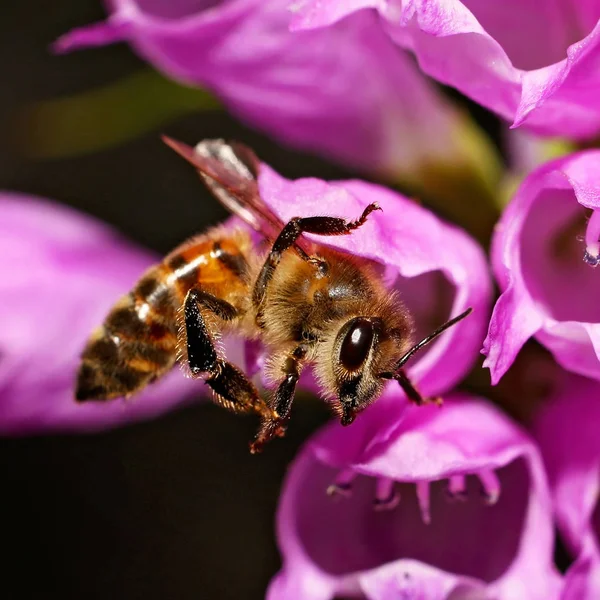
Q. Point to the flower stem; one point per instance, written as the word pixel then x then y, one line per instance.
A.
pixel 106 116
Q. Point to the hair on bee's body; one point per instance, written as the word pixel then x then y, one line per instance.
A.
pixel 308 303
pixel 304 306
pixel 139 339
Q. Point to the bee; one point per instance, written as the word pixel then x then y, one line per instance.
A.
pixel 309 304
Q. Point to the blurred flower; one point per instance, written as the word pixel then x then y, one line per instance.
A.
pixel 436 267
pixel 61 272
pixel 534 63
pixel 400 532
pixel 105 116
pixel 538 257
pixel 526 151
pixel 567 430
pixel 347 92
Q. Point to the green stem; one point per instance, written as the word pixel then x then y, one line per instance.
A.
pixel 106 116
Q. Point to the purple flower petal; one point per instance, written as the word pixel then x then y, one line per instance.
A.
pixel 61 272
pixel 439 270
pixel 568 436
pixel 417 580
pixel 582 580
pixel 308 89
pixel 532 63
pixel 538 256
pixel 500 548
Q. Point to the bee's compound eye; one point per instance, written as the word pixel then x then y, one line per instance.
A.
pixel 357 343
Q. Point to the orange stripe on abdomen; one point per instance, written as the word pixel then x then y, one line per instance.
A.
pixel 218 266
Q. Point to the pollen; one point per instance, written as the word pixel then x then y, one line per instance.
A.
pixel 592 240
pixel 386 496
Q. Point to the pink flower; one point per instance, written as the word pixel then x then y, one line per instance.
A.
pixel 60 274
pixel 393 534
pixel 542 243
pixel 347 92
pixel 534 63
pixel 567 431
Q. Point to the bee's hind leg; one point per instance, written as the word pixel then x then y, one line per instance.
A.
pixel 232 389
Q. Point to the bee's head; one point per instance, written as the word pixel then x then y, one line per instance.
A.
pixel 364 348
pixel 367 352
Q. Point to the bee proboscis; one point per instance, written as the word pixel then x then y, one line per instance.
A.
pixel 308 303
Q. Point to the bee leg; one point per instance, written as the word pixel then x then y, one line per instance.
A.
pixel 325 226
pixel 280 403
pixel 233 390
pixel 411 391
pixel 201 353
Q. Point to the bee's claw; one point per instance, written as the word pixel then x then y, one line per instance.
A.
pixel 269 429
pixel 256 447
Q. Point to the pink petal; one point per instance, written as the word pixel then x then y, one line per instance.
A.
pixel 567 433
pixel 98 34
pixel 513 322
pixel 582 580
pixel 413 579
pixel 532 63
pixel 311 14
pixel 307 89
pixel 61 272
pixel 344 547
pixel 538 257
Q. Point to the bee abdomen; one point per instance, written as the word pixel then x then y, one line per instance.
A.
pixel 136 344
pixel 138 341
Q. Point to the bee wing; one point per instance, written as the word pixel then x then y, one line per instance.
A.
pixel 230 171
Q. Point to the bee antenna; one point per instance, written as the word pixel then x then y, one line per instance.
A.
pixel 432 337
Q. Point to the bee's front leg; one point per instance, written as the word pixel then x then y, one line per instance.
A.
pixel 325 226
pixel 281 403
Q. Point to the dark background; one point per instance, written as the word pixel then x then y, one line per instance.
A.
pixel 175 508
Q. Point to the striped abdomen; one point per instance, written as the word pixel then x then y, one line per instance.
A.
pixel 137 343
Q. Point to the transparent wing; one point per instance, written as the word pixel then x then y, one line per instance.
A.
pixel 230 171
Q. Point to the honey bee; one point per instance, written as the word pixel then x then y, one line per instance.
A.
pixel 308 303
